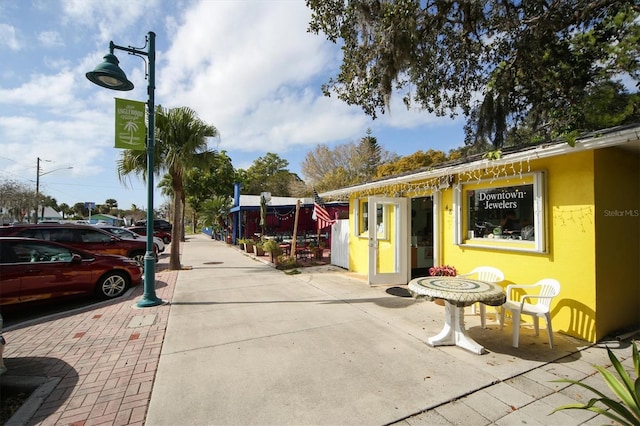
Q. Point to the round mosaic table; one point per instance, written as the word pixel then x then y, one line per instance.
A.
pixel 457 293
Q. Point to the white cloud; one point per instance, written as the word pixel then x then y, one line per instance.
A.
pixel 252 70
pixel 42 90
pixel 50 39
pixel 9 38
pixel 109 17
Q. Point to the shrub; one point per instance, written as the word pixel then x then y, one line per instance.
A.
pixel 287 262
pixel 625 412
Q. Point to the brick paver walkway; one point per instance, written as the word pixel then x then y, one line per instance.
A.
pixel 106 359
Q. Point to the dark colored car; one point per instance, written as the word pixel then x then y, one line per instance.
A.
pixel 158 224
pixel 38 270
pixel 82 237
pixel 165 236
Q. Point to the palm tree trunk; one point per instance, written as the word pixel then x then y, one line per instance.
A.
pixel 177 231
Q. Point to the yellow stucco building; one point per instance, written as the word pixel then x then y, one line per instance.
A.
pixel 546 211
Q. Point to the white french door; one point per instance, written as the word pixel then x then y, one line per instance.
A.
pixel 388 241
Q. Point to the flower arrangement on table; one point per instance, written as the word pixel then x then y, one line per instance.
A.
pixel 443 271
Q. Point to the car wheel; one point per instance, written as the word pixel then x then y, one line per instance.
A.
pixel 138 257
pixel 112 285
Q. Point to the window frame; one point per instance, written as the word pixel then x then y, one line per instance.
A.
pixel 461 209
pixel 361 225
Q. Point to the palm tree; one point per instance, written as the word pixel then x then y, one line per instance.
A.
pixel 215 212
pixel 47 201
pixel 181 143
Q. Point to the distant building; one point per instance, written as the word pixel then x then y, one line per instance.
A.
pixel 106 219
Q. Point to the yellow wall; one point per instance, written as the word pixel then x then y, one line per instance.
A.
pixel 570 256
pixel 580 186
pixel 617 218
pixel 358 247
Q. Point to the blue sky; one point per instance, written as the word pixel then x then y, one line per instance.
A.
pixel 250 68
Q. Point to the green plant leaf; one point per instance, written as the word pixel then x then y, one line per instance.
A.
pixel 575 382
pixel 624 393
pixel 636 361
pixel 590 406
pixel 620 370
pixel 621 410
pixel 626 412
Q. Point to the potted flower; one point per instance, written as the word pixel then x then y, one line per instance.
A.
pixel 443 271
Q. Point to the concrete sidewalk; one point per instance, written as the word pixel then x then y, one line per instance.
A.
pixel 249 345
pixel 242 343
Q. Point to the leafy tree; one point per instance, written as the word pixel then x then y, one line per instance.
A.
pixel 181 144
pixel 17 199
pixel 412 162
pixel 268 174
pixel 47 201
pixel 79 210
pixel 214 212
pixel 65 210
pixel 528 60
pixel 347 164
pixel 609 105
pixel 202 184
pixel 370 154
pixel 110 205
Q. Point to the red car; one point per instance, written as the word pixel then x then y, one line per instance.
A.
pixel 37 270
pixel 142 230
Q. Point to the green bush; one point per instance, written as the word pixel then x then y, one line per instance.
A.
pixel 272 246
pixel 627 410
pixel 287 262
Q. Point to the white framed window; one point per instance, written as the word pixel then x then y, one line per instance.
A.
pixel 504 214
pixel 361 215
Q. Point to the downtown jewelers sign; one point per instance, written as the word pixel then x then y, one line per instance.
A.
pixel 131 130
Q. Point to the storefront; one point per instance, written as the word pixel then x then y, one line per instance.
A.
pixel 547 211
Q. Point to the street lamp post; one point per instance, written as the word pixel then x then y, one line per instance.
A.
pixel 38 174
pixel 108 74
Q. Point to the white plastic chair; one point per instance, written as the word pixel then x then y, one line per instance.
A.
pixel 488 274
pixel 548 288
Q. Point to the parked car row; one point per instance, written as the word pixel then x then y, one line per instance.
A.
pixel 47 261
pixel 83 237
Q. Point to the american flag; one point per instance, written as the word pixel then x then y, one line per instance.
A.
pixel 320 213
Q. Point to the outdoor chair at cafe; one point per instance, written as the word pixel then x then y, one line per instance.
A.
pixel 543 291
pixel 487 274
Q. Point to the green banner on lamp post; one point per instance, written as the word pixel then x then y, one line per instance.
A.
pixel 131 131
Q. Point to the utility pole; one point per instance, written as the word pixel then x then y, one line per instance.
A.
pixel 37 189
pixel 38 174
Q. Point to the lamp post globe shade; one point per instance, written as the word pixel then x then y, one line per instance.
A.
pixel 108 74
